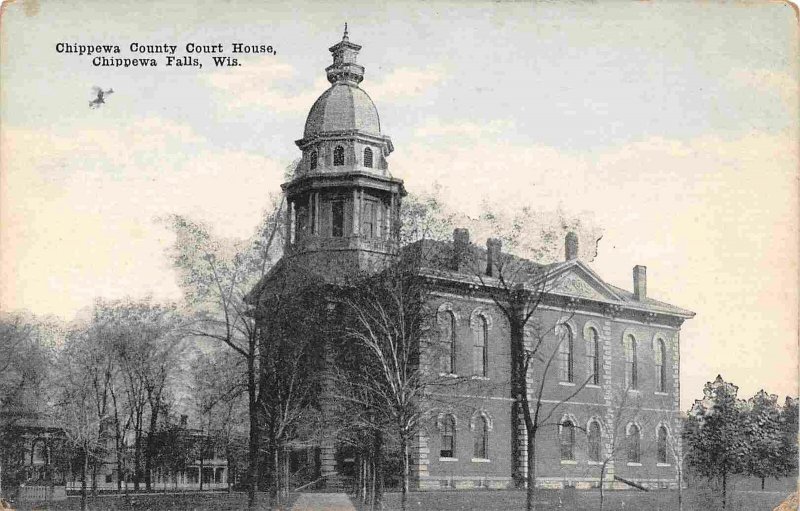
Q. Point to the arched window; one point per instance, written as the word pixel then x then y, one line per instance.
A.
pixel 566 355
pixel 479 350
pixel 447 336
pixel 661 445
pixel 567 440
pixel 631 369
pixel 338 156
pixel 595 440
pixel 481 432
pixel 593 355
pixel 661 372
pixel 313 160
pixel 634 444
pixel 368 157
pixel 448 437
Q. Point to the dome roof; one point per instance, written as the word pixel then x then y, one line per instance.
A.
pixel 343 107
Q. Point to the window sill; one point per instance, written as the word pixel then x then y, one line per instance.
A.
pixel 659 393
pixel 635 391
pixel 448 375
pixel 569 462
pixel 592 462
pixel 591 386
pixel 447 459
pixel 480 378
pixel 481 460
pixel 631 464
pixel 663 464
pixel 566 383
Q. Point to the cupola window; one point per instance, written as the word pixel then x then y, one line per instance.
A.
pixel 313 158
pixel 338 156
pixel 368 157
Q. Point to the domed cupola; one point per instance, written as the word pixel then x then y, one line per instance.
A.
pixel 342 197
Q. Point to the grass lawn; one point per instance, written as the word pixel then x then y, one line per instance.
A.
pixel 486 500
pixel 547 500
pixel 157 502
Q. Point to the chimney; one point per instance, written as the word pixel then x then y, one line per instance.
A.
pixel 640 281
pixel 460 245
pixel 493 248
pixel 571 246
pixel 184 420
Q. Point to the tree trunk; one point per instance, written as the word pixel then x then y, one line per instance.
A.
pixel 252 457
pixel 94 478
pixel 404 493
pixel 530 494
pixel 228 472
pixel 602 477
pixel 150 448
pixel 724 488
pixel 274 490
pixel 377 471
pixel 137 457
pixel 84 473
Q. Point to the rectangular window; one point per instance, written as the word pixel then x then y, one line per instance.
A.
pixel 337 219
pixel 368 220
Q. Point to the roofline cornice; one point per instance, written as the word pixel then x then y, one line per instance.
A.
pixel 305 142
pixel 474 283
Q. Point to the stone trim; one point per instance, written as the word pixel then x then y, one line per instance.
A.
pixel 448 307
pixel 481 311
pixel 485 415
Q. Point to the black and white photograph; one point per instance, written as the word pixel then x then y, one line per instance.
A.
pixel 399 255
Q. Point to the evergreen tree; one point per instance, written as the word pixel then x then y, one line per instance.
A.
pixel 765 439
pixel 717 445
pixel 789 430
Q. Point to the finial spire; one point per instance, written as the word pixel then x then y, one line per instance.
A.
pixel 344 67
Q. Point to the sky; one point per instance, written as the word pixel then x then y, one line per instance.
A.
pixel 674 126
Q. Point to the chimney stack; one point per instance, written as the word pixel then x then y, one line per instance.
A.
pixel 640 282
pixel 460 246
pixel 571 246
pixel 184 420
pixel 493 248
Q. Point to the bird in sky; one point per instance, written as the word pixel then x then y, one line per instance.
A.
pixel 101 94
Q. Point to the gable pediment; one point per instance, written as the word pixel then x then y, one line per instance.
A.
pixel 579 282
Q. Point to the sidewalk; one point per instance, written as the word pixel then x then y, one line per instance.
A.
pixel 323 502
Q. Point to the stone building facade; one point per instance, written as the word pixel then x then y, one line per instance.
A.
pixel 614 376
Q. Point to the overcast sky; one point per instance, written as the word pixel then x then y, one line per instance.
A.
pixel 674 124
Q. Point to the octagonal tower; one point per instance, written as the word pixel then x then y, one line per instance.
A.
pixel 343 204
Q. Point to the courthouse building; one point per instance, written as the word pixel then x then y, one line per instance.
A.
pixel 617 350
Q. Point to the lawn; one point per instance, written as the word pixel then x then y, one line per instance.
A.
pixel 662 500
pixel 486 500
pixel 156 502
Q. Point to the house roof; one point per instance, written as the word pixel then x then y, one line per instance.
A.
pixel 572 278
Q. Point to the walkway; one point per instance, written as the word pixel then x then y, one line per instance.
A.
pixel 323 502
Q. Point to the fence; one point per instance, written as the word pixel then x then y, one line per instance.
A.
pixel 39 493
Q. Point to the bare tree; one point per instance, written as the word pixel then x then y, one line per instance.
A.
pixel 391 378
pixel 519 288
pixel 79 407
pixel 218 276
pixel 145 339
pixel 625 409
